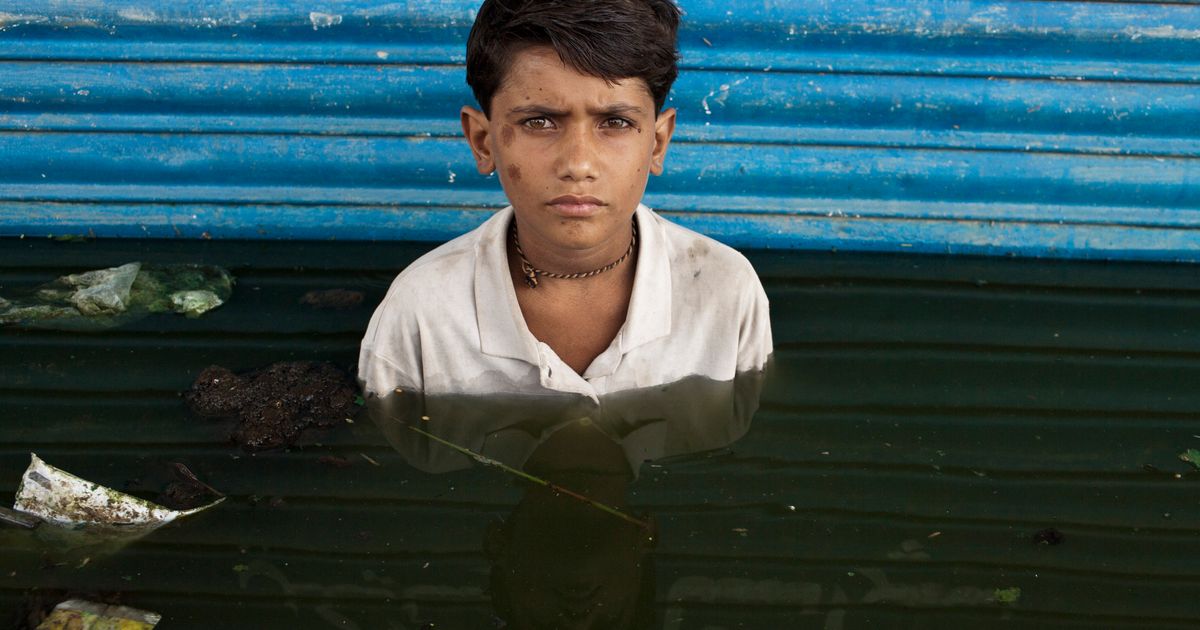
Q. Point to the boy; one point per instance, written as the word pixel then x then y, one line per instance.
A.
pixel 576 287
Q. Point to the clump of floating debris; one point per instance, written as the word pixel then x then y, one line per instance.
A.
pixel 276 404
pixel 105 298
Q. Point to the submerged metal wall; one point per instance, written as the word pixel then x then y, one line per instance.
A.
pixel 1032 128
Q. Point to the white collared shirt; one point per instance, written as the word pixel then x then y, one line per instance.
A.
pixel 451 324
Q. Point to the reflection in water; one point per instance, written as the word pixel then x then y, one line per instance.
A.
pixel 558 561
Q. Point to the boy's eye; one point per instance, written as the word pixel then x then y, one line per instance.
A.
pixel 540 122
pixel 617 123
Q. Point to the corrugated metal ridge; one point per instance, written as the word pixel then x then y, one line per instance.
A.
pixel 1027 127
pixel 840 110
pixel 1053 38
pixel 116 167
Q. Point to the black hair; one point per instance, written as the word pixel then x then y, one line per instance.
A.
pixel 609 39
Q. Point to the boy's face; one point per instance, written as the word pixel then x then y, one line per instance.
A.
pixel 573 151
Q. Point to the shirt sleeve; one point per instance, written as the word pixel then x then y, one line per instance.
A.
pixel 390 354
pixel 755 344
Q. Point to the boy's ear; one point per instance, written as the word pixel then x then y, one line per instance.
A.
pixel 475 128
pixel 664 128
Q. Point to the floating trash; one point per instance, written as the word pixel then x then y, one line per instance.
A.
pixel 78 614
pixel 104 298
pixel 194 303
pixel 104 291
pixel 1010 595
pixel 19 519
pixel 85 513
pixel 275 404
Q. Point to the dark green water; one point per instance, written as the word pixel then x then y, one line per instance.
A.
pixel 926 418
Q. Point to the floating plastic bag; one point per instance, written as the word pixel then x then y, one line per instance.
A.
pixel 102 291
pixel 86 513
pixel 104 298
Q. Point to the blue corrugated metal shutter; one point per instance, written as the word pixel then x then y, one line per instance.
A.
pixel 1038 128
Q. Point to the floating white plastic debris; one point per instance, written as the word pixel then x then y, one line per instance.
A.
pixel 194 303
pixel 104 291
pixel 104 298
pixel 81 614
pixel 62 499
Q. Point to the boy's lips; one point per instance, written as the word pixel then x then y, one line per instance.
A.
pixel 575 205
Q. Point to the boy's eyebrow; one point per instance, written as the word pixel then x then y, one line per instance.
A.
pixel 619 109
pixel 538 109
pixel 609 110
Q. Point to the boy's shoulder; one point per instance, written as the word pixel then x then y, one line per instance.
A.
pixel 693 255
pixel 446 267
pixel 437 287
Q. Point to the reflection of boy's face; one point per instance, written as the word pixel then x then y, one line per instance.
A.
pixel 570 566
pixel 573 151
pixel 567 565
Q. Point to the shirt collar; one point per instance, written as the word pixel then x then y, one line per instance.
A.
pixel 502 329
pixel 649 315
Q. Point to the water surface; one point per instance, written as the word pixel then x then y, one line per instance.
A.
pixel 926 419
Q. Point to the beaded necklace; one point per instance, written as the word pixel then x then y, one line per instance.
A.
pixel 531 273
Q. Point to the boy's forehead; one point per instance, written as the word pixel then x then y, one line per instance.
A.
pixel 537 74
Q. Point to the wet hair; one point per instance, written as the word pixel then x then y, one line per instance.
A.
pixel 609 39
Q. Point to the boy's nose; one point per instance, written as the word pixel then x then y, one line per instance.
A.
pixel 578 160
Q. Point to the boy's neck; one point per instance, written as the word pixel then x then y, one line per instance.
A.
pixel 548 261
pixel 578 318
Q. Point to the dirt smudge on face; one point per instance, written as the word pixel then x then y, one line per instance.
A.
pixel 506 135
pixel 514 172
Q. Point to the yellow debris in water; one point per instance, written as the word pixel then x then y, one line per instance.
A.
pixel 78 614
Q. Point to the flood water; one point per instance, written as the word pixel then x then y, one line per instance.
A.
pixel 942 443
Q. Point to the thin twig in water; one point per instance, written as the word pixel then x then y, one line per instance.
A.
pixel 487 461
pixel 186 473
